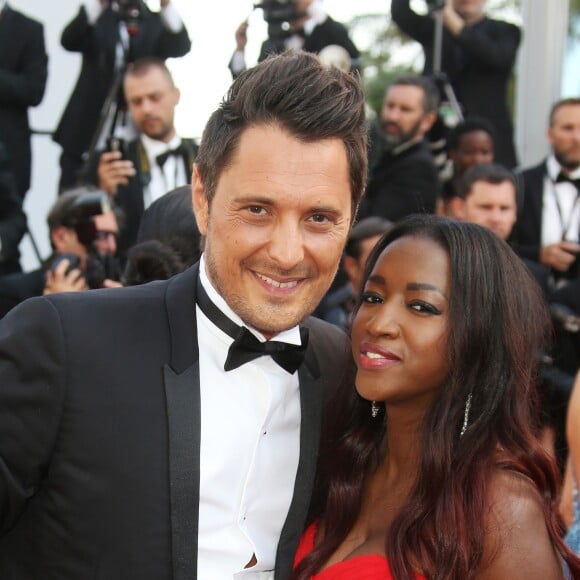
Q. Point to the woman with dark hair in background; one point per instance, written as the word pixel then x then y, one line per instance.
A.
pixel 432 468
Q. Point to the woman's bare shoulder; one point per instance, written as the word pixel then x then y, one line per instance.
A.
pixel 516 539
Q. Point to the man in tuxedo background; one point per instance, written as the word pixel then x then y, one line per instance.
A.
pixel 548 226
pixel 107 41
pixel 158 160
pixel 23 73
pixel 310 28
pixel 170 431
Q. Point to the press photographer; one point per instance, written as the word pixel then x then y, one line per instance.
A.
pixel 477 55
pixel 83 231
pixel 294 24
pixel 109 34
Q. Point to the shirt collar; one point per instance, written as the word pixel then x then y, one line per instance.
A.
pixel 291 336
pixel 153 147
pixel 553 168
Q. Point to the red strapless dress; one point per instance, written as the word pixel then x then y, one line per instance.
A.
pixel 366 567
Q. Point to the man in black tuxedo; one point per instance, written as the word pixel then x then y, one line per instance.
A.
pixel 478 55
pixel 134 442
pixel 158 160
pixel 23 72
pixel 403 177
pixel 310 29
pixel 548 226
pixel 106 42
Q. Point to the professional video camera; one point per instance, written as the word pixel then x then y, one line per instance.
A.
pixel 279 14
pixel 81 218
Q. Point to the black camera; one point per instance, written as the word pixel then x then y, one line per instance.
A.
pixel 117 144
pixel 279 14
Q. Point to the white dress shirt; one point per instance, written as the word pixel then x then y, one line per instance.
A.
pixel 164 179
pixel 560 206
pixel 250 446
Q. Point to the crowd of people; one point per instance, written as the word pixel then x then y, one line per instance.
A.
pixel 353 361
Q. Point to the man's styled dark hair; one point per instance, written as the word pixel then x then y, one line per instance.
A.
pixel 294 91
pixel 569 102
pixel 361 231
pixel 469 125
pixel 429 88
pixel 493 173
pixel 496 329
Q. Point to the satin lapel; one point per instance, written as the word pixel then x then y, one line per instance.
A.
pixel 183 410
pixel 183 416
pixel 311 392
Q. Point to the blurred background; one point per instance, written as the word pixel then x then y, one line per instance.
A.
pixel 551 44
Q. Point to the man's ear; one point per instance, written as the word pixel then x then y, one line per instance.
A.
pixel 457 207
pixel 59 237
pixel 428 121
pixel 199 201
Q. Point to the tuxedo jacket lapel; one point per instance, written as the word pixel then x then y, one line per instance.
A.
pixel 183 416
pixel 311 391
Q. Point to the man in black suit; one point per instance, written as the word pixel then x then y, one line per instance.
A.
pixel 478 55
pixel 107 41
pixel 23 72
pixel 155 162
pixel 403 177
pixel 548 226
pixel 310 28
pixel 134 442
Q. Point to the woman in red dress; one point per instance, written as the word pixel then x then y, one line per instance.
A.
pixel 432 468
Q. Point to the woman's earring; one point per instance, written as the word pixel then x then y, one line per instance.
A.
pixel 374 409
pixel 466 415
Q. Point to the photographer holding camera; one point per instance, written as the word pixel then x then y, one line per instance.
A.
pixel 109 34
pixel 83 231
pixel 477 57
pixel 294 24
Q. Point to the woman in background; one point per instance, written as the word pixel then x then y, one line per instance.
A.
pixel 432 466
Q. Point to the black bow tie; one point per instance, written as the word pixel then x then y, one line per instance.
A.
pixel 161 159
pixel 563 178
pixel 246 347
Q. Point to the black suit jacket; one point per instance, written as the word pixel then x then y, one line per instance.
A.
pixel 129 197
pixel 478 63
pixel 97 44
pixel 527 233
pixel 100 434
pixel 23 72
pixel 400 184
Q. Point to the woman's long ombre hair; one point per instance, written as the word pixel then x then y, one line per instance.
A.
pixel 498 324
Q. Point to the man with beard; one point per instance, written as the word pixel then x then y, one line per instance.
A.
pixel 402 173
pixel 548 227
pixel 158 160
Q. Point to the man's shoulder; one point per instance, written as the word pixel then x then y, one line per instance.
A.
pixel 502 26
pixel 22 21
pixel 327 339
pixel 533 173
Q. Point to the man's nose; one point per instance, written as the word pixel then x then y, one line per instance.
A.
pixel 286 247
